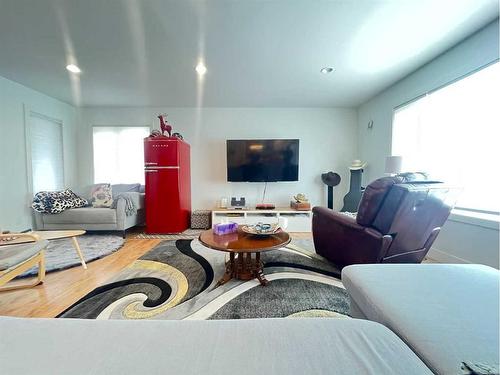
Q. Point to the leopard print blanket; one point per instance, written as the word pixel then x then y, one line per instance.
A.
pixel 55 202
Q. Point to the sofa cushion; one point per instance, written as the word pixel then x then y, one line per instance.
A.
pixel 447 313
pixel 102 196
pixel 11 255
pixel 214 347
pixel 84 215
pixel 125 188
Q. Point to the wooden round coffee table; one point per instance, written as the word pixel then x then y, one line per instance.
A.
pixel 241 246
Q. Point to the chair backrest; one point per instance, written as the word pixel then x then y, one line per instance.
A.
pixel 409 209
pixel 376 192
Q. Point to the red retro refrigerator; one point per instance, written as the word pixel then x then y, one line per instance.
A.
pixel 168 184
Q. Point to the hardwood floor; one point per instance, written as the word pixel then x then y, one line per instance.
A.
pixel 61 289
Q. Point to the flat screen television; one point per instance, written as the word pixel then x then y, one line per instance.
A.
pixel 262 160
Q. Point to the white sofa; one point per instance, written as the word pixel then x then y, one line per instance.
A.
pixel 446 313
pixel 294 346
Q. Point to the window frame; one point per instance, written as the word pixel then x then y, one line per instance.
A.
pixel 462 211
pixel 442 86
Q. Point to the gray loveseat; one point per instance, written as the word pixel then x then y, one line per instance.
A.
pixel 98 219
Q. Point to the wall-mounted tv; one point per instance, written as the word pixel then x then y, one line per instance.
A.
pixel 262 160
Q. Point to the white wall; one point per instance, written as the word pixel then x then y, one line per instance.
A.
pixel 469 242
pixel 15 199
pixel 327 142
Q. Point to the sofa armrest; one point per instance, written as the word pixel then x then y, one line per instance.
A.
pixel 136 197
pixel 121 215
pixel 141 197
pixel 340 239
pixel 38 220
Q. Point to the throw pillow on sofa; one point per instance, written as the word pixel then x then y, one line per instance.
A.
pixel 102 196
pixel 55 202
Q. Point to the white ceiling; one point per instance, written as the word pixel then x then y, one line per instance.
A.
pixel 258 53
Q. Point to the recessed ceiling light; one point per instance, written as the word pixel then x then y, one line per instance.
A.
pixel 327 70
pixel 73 68
pixel 201 69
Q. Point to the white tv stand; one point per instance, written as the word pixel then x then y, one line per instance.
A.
pixel 298 221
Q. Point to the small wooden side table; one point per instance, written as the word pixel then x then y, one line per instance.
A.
pixel 244 252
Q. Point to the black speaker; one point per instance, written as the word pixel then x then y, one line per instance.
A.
pixel 330 179
pixel 235 203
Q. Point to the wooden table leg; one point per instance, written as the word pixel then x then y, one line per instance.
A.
pixel 79 252
pixel 231 260
pixel 262 279
pixel 259 272
pixel 244 268
pixel 225 278
pixel 41 267
pixel 229 274
pixel 23 267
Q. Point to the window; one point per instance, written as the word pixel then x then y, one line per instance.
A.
pixel 119 154
pixel 453 134
pixel 46 153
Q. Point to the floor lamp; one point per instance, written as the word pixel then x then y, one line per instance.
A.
pixel 393 165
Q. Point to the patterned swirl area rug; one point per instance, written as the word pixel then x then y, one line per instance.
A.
pixel 178 280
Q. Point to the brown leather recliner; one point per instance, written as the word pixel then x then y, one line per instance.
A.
pixel 398 219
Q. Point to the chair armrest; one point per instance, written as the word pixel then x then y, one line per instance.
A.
pixel 29 237
pixel 329 216
pixel 340 239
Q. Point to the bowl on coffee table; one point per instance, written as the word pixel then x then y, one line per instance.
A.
pixel 261 229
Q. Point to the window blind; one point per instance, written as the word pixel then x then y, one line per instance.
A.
pixel 452 134
pixel 119 154
pixel 46 146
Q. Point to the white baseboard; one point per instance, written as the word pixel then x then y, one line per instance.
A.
pixel 440 256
